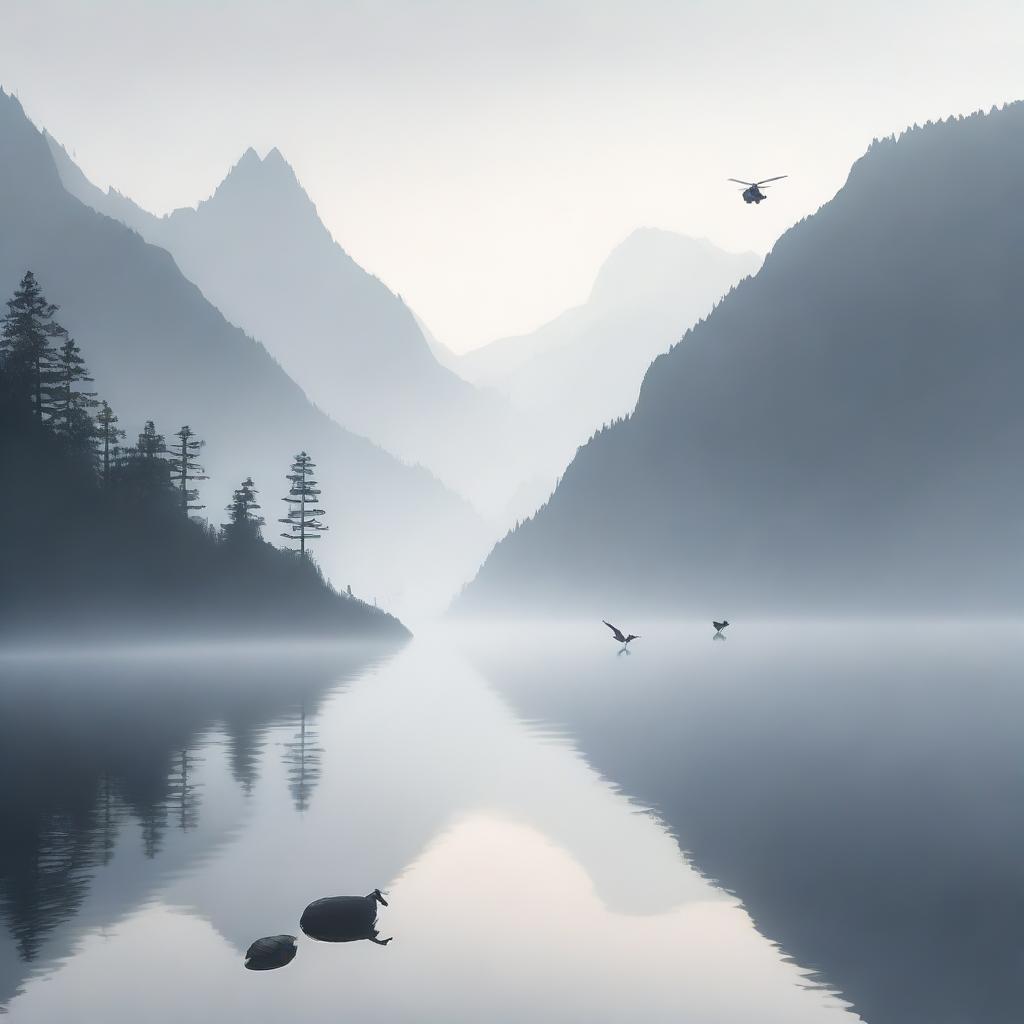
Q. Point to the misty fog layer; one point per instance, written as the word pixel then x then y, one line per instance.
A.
pixel 842 432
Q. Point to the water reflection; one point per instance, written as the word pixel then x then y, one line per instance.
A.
pixel 98 747
pixel 858 786
pixel 303 757
pixel 270 953
pixel 523 886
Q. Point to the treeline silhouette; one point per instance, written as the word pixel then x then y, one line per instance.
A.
pixel 98 538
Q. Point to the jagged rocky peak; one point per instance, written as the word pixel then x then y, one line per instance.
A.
pixel 272 168
pixel 264 185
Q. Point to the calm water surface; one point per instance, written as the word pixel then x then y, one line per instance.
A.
pixel 796 825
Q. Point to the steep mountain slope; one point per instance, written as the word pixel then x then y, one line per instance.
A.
pixel 842 433
pixel 584 368
pixel 442 353
pixel 261 255
pixel 158 349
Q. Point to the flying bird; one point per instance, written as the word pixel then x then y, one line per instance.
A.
pixel 618 634
pixel 719 626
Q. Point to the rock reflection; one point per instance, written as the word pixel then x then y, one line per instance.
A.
pixel 99 745
pixel 344 918
pixel 270 952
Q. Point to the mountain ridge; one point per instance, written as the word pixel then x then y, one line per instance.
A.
pixel 353 345
pixel 139 321
pixel 835 434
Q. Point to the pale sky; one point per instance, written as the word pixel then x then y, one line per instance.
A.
pixel 482 157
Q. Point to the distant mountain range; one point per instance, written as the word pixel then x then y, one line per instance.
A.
pixel 584 368
pixel 842 433
pixel 259 252
pixel 160 350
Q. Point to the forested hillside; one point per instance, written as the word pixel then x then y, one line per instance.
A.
pixel 98 539
pixel 843 432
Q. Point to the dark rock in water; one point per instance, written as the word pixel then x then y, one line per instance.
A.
pixel 270 952
pixel 343 918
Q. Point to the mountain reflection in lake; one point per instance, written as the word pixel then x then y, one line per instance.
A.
pixel 859 787
pixel 158 816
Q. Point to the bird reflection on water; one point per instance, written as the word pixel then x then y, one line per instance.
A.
pixel 623 638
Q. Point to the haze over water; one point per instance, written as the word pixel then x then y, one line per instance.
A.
pixel 498 785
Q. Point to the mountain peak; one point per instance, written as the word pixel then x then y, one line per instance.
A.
pixel 250 164
pixel 260 186
pixel 26 167
pixel 275 158
pixel 650 260
pixel 11 110
pixel 253 178
pixel 250 158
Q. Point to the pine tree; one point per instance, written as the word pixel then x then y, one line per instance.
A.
pixel 70 416
pixel 245 524
pixel 150 444
pixel 107 437
pixel 301 519
pixel 185 468
pixel 25 334
pixel 146 468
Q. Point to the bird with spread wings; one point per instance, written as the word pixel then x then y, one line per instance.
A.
pixel 619 635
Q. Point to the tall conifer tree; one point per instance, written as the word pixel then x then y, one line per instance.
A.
pixel 245 524
pixel 146 466
pixel 302 497
pixel 70 412
pixel 185 468
pixel 25 334
pixel 108 436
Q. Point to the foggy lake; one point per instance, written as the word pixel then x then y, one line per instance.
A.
pixel 809 822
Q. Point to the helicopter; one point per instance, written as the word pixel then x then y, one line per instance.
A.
pixel 752 193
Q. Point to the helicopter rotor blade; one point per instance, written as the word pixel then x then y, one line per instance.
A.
pixel 766 180
pixel 738 182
